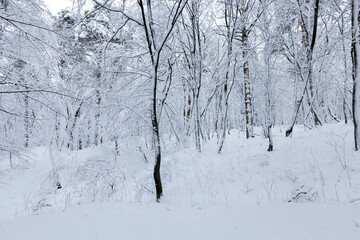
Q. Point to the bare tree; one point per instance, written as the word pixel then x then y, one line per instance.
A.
pixel 309 59
pixel 155 46
pixel 192 49
pixel 231 19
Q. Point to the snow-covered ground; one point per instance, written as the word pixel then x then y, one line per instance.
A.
pixel 167 221
pixel 308 188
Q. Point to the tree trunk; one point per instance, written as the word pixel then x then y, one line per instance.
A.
pixel 187 107
pixel 197 67
pixel 156 134
pixel 98 138
pixel 268 91
pixel 26 120
pixel 355 50
pixel 231 20
pixel 247 87
pixel 57 129
pixel 72 128
pixel 344 103
pixel 309 62
pixel 154 50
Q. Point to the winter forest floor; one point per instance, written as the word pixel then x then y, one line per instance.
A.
pixel 308 188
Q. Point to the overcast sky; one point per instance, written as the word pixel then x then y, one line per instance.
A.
pixel 56 5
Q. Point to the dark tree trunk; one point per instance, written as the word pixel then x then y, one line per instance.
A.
pixel 155 125
pixel 355 22
pixel 271 145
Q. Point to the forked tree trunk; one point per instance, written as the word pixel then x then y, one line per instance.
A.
pixel 154 50
pixel 231 13
pixel 306 44
pixel 309 62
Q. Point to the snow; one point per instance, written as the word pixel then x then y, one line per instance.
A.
pixel 167 221
pixel 308 188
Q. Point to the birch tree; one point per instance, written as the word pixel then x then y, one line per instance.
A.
pixel 268 50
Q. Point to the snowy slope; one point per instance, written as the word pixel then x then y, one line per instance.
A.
pixel 308 188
